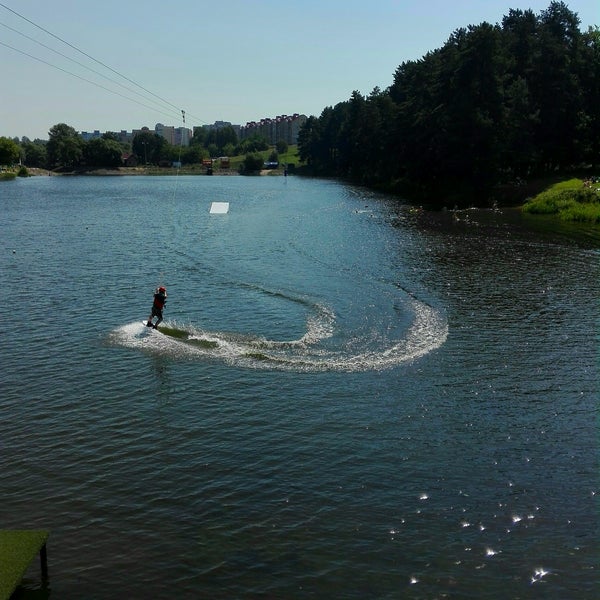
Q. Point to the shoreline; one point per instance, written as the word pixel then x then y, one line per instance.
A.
pixel 152 171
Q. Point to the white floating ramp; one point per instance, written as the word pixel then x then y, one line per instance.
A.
pixel 219 208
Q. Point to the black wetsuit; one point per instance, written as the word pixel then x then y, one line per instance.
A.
pixel 159 301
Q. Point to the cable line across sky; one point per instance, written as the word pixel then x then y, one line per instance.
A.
pixel 161 105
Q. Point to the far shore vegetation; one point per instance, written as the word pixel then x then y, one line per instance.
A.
pixel 66 151
pixel 571 200
pixel 501 114
pixel 475 122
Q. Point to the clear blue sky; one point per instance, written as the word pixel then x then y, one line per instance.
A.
pixel 236 60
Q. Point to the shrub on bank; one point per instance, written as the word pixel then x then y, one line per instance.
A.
pixel 569 200
pixel 253 163
pixel 588 213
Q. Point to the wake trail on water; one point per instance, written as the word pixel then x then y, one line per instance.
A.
pixel 324 346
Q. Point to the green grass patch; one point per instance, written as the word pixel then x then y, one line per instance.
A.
pixel 290 157
pixel 569 184
pixel 570 200
pixel 7 176
pixel 18 548
pixel 583 213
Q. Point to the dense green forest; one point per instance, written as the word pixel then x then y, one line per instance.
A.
pixel 497 104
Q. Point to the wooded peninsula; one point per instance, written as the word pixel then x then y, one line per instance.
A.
pixel 476 120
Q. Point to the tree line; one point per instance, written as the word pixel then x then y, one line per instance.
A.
pixel 496 104
pixel 65 149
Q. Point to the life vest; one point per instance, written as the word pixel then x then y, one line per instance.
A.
pixel 159 300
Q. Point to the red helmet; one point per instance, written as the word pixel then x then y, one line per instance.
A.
pixel 162 289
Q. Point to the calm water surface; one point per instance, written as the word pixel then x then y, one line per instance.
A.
pixel 373 401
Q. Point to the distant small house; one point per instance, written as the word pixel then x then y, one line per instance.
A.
pixel 207 162
pixel 224 160
pixel 129 160
pixel 271 164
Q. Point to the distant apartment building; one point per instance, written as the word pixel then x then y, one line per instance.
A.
pixel 220 125
pixel 284 127
pixel 182 136
pixel 123 135
pixel 165 131
pixel 135 132
pixel 94 135
pixel 176 136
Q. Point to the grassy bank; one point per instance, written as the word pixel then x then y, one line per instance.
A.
pixel 13 173
pixel 571 200
pixel 289 158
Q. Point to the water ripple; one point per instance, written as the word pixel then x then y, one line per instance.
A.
pixel 427 332
pixel 353 403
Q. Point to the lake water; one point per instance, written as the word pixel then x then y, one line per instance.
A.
pixel 373 401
